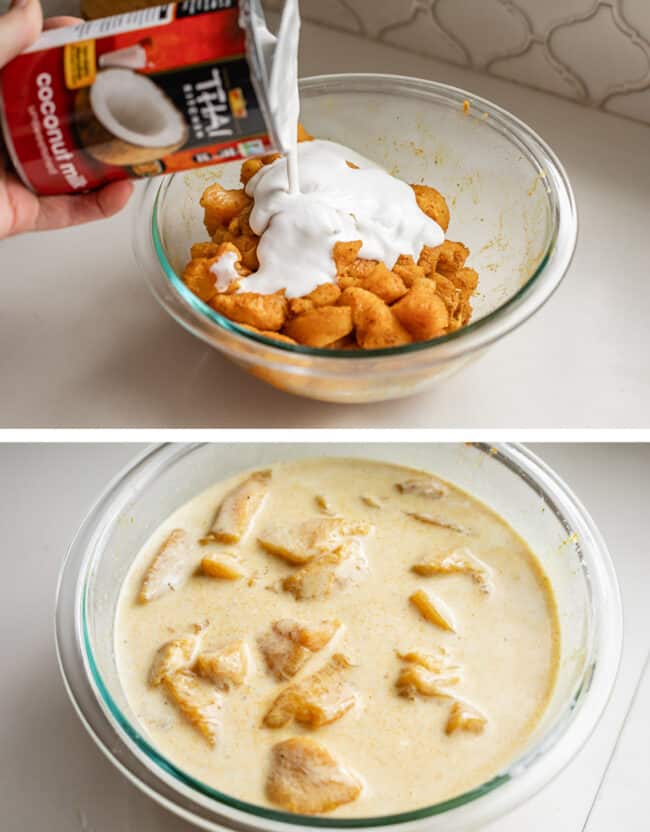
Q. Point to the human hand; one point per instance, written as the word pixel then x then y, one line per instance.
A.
pixel 21 209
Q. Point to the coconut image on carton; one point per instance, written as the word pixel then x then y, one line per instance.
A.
pixel 124 118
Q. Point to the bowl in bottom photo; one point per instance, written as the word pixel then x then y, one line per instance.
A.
pixel 265 636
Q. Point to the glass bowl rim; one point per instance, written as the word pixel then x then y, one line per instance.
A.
pixel 561 243
pixel 522 463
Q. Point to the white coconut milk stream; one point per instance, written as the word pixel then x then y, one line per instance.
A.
pixel 284 97
pixel 311 198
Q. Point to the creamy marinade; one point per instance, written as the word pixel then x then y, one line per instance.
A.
pixel 499 661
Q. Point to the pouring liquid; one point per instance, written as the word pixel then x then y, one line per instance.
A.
pixel 284 96
pixel 311 198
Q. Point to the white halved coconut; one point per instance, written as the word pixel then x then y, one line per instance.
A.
pixel 128 119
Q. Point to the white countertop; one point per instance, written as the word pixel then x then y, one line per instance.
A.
pixel 53 777
pixel 83 343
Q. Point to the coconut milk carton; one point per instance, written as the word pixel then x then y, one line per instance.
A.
pixel 155 91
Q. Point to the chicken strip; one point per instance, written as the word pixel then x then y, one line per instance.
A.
pixel 222 565
pixel 226 667
pixel 433 610
pixel 414 679
pixel 460 561
pixel 289 644
pixel 465 717
pixel 427 674
pixel 305 778
pixel 423 487
pixel 328 573
pixel 174 655
pixel 319 699
pixel 198 701
pixel 440 522
pixel 171 567
pixel 239 507
pixel 305 541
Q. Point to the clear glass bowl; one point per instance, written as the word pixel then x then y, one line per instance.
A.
pixel 510 202
pixel 510 479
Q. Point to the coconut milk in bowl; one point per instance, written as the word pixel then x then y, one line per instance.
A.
pixel 337 636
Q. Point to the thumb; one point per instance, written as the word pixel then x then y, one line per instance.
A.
pixel 19 28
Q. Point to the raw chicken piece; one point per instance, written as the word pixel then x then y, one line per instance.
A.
pixel 433 203
pixel 328 573
pixel 383 283
pixel 265 312
pixel 198 701
pixel 305 778
pixel 433 610
pixel 460 561
pixel 451 257
pixel 374 321
pixel 289 644
pixel 318 699
pixel 465 717
pixel 305 541
pixel 421 311
pixel 239 507
pixel 171 567
pixel 221 205
pixel 423 487
pixel 174 655
pixel 222 565
pixel 321 326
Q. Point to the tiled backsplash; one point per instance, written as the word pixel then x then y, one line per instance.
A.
pixel 596 52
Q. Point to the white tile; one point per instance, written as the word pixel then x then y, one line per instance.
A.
pixel 421 33
pixel 539 70
pixel 637 14
pixel 469 21
pixel 561 42
pixel 576 45
pixel 543 16
pixel 376 16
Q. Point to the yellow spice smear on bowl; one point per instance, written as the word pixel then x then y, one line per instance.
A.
pixel 337 636
pixel 363 302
